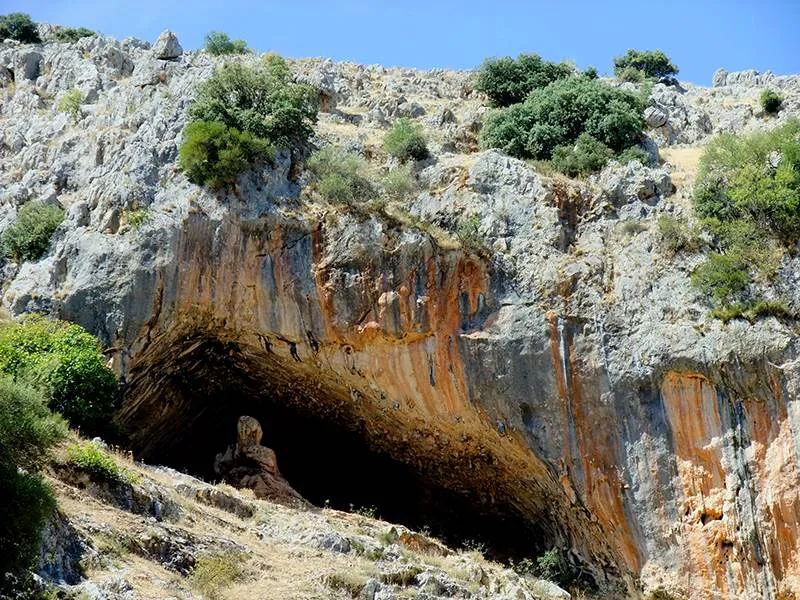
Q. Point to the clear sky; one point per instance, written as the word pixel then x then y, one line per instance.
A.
pixel 699 35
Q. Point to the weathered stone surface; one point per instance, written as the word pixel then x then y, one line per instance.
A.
pixel 572 366
pixel 167 46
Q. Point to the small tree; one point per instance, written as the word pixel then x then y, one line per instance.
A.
pixel 219 43
pixel 29 236
pixel 653 63
pixel 213 154
pixel 508 81
pixel 406 141
pixel 585 156
pixel 19 26
pixel 70 103
pixel 72 34
pixel 771 101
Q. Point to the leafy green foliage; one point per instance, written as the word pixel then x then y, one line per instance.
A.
pixel 549 565
pixel 631 75
pixel 27 432
pixel 240 115
pixel 755 177
pixel 406 141
pixel 72 34
pixel 770 101
pixel 590 73
pixel 219 43
pixel 652 63
pixel 340 176
pixel 634 153
pixel 508 81
pixel 261 100
pixel 723 276
pixel 19 26
pixel 64 362
pixel 469 235
pixel 29 236
pixel 214 154
pixel 97 463
pixel 400 184
pixel 70 103
pixel 558 114
pixel 585 156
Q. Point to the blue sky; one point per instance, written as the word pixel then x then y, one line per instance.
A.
pixel 699 35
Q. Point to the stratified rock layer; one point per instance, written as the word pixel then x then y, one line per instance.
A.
pixel 572 377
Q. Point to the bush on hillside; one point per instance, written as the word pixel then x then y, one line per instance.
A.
pixel 340 176
pixel 70 103
pixel 219 43
pixel 558 114
pixel 755 177
pixel 631 75
pixel 64 362
pixel 400 184
pixel 634 153
pixel 72 34
pixel 406 141
pixel 652 63
pixel 213 154
pixel 253 110
pixel 97 463
pixel 508 81
pixel 585 156
pixel 29 236
pixel 770 101
pixel 19 26
pixel 677 235
pixel 27 432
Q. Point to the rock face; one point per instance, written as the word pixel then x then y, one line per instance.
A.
pixel 568 372
pixel 248 464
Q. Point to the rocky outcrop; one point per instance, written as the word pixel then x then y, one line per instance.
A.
pixel 566 374
pixel 248 464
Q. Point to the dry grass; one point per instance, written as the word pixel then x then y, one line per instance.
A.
pixel 683 163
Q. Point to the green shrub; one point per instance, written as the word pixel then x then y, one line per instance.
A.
pixel 770 101
pixel 70 103
pixel 590 73
pixel 754 177
pixel 631 75
pixel 96 462
pixel 406 141
pixel 27 432
pixel 29 236
pixel 507 81
pixel 652 63
pixel 558 114
pixel 634 153
pixel 213 154
pixel 677 235
pixel 240 114
pixel 212 573
pixel 72 34
pixel 218 43
pixel 585 156
pixel 64 362
pixel 340 176
pixel 260 100
pixel 137 218
pixel 724 277
pixel 469 235
pixel 400 184
pixel 20 27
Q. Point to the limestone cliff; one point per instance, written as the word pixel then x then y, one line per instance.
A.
pixel 567 377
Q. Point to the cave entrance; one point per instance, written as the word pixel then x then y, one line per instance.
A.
pixel 182 409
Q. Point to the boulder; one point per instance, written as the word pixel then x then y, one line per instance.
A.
pixel 167 46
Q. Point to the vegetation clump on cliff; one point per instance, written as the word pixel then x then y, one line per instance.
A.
pixel 219 43
pixel 243 114
pixel 579 121
pixel 27 432
pixel 64 363
pixel 20 27
pixel 652 64
pixel 508 81
pixel 748 197
pixel 29 236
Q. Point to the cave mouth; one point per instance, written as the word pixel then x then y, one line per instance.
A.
pixel 183 407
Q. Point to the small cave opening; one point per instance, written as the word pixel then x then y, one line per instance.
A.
pixel 328 459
